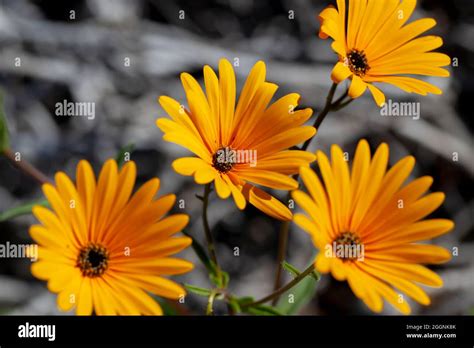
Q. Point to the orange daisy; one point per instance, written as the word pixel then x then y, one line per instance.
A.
pixel 239 146
pixel 104 249
pixel 374 45
pixel 368 225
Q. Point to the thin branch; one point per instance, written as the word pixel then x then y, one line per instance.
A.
pixel 26 167
pixel 283 289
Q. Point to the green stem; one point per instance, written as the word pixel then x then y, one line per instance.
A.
pixel 284 230
pixel 25 167
pixel 282 246
pixel 211 248
pixel 341 105
pixel 276 294
pixel 340 99
pixel 322 115
pixel 210 302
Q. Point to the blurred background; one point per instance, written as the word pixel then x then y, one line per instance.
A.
pixel 122 55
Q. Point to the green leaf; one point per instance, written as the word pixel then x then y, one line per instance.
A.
pixel 234 304
pixel 290 268
pixel 21 210
pixel 316 275
pixel 123 151
pixel 202 255
pixel 219 279
pixel 296 272
pixel 197 290
pixel 4 138
pixel 225 279
pixel 262 310
pixel 244 300
pixel 300 295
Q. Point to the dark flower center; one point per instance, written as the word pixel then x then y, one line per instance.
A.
pixel 357 62
pixel 93 260
pixel 351 245
pixel 224 159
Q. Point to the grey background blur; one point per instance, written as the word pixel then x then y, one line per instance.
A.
pixel 83 60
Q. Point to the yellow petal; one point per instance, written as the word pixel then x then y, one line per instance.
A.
pixel 222 189
pixel 67 299
pixel 86 186
pixel 158 285
pixel 267 178
pixel 167 227
pixel 357 87
pixel 84 300
pixel 379 97
pixel 126 183
pixel 205 175
pixel 188 165
pixel 227 99
pixel 266 203
pixel 340 72
pixel 239 198
pixel 165 266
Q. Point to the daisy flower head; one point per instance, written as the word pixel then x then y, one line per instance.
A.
pixel 368 225
pixel 239 144
pixel 102 248
pixel 374 44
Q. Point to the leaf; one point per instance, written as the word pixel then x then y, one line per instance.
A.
pixel 262 310
pixel 219 279
pixel 225 279
pixel 121 155
pixel 4 138
pixel 197 290
pixel 245 300
pixel 21 210
pixel 202 255
pixel 234 304
pixel 295 272
pixel 296 298
pixel 290 268
pixel 316 275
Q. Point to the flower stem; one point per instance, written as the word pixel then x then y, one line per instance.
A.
pixel 207 230
pixel 210 302
pixel 282 246
pixel 276 294
pixel 25 167
pixel 283 236
pixel 322 115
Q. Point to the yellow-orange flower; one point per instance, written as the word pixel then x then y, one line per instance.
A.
pixel 102 248
pixel 367 225
pixel 377 46
pixel 239 145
